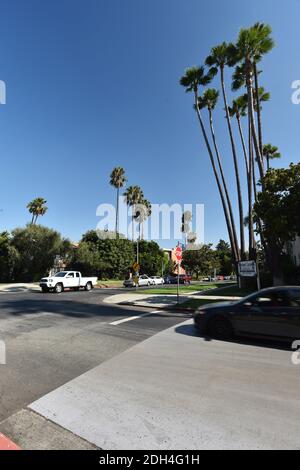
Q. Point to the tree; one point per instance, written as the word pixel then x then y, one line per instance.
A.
pixel 278 206
pixel 133 196
pixel 218 59
pixel 143 210
pixel 224 255
pixel 151 258
pixel 270 152
pixel 118 180
pixel 200 262
pixel 37 247
pixel 37 207
pixel 193 78
pixel 116 255
pixel 209 100
pixel 9 257
pixel 252 44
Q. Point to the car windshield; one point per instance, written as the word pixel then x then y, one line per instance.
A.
pixel 61 274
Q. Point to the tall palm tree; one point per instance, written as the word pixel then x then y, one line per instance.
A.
pixel 192 79
pixel 37 207
pixel 209 100
pixel 238 109
pixel 218 59
pixel 133 196
pixel 252 44
pixel 143 211
pixel 118 181
pixel 270 152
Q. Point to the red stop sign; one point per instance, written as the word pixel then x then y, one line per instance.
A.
pixel 178 253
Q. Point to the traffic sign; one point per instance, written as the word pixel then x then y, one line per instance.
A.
pixel 136 267
pixel 247 269
pixel 178 253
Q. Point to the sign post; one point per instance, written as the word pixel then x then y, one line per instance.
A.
pixel 178 254
pixel 249 269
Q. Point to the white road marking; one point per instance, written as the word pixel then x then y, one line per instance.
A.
pixel 124 320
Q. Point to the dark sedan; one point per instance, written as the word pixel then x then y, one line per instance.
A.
pixel 273 312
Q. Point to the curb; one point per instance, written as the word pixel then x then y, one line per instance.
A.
pixel 7 444
pixel 151 307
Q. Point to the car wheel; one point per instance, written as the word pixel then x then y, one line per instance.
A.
pixel 220 328
pixel 58 288
pixel 89 286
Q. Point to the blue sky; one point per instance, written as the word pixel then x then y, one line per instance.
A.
pixel 93 84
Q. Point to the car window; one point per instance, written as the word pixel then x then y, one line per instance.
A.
pixel 295 298
pixel 77 275
pixel 272 299
pixel 71 275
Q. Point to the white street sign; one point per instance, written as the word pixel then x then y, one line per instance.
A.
pixel 247 269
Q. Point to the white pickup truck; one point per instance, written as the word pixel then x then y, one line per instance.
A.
pixel 67 280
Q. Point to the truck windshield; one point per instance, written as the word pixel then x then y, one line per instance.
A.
pixel 62 274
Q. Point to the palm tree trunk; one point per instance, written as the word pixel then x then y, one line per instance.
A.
pixel 32 219
pixel 258 112
pixel 234 249
pixel 250 206
pixel 252 121
pixel 117 214
pixel 268 163
pixel 236 167
pixel 223 178
pixel 243 143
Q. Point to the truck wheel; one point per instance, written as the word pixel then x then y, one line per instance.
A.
pixel 58 288
pixel 89 286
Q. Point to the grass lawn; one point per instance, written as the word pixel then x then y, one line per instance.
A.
pixel 111 283
pixel 232 291
pixel 172 290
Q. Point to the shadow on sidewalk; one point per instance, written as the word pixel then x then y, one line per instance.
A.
pixel 190 330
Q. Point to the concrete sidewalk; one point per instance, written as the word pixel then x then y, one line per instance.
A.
pixel 161 301
pixel 178 391
pixel 19 287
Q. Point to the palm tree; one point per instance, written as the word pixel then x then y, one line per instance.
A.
pixel 142 212
pixel 209 100
pixel 118 180
pixel 238 109
pixel 37 207
pixel 220 57
pixel 270 153
pixel 252 44
pixel 133 196
pixel 192 79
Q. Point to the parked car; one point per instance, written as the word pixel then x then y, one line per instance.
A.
pixel 171 279
pixel 273 312
pixel 67 280
pixel 185 279
pixel 157 280
pixel 144 280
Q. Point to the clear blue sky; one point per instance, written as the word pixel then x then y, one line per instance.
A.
pixel 92 84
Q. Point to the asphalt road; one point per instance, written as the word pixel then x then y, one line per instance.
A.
pixel 51 339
